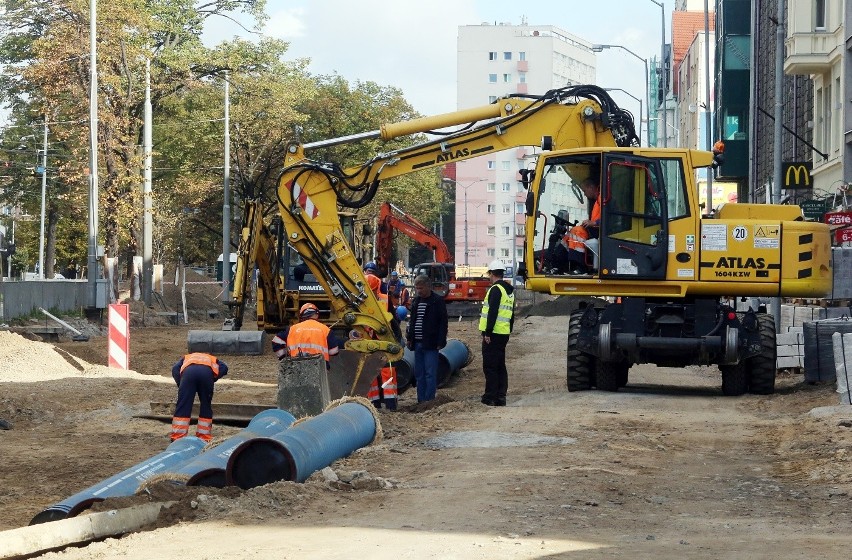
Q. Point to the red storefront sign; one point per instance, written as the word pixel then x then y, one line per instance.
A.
pixel 838 218
pixel 843 235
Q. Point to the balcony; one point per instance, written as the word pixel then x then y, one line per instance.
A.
pixel 523 65
pixel 813 53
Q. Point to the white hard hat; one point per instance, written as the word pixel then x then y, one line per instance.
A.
pixel 496 265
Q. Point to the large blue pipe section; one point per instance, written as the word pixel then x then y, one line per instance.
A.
pixel 303 449
pixel 451 358
pixel 208 469
pixel 124 483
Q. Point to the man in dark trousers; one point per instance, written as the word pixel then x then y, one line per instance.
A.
pixel 495 322
pixel 195 374
pixel 426 334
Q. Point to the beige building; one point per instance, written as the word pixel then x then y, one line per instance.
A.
pixel 815 46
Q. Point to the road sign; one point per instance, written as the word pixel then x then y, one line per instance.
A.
pixel 838 218
pixel 813 209
pixel 843 235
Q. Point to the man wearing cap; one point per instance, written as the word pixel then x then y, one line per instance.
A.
pixel 495 322
pixel 395 286
pixel 307 337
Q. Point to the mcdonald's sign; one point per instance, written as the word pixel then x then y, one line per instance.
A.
pixel 797 175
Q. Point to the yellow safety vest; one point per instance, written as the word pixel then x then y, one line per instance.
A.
pixel 504 314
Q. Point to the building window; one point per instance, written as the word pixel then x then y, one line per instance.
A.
pixel 506 208
pixel 819 14
pixel 504 253
pixel 507 55
pixel 492 208
pixel 506 165
pixel 490 253
pixel 519 253
pixel 522 77
pixel 507 78
pixel 506 230
pixel 492 98
pixel 492 55
pixel 522 55
pixel 521 231
pixel 520 208
pixel 492 78
pixel 492 164
pixel 492 187
pixel 507 187
pixel 490 230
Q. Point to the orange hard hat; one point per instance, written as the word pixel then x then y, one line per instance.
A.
pixel 308 309
pixel 374 282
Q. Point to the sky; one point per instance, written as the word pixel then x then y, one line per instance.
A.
pixel 411 44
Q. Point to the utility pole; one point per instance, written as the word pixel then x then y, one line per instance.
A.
pixel 708 108
pixel 92 263
pixel 147 211
pixel 226 205
pixel 779 114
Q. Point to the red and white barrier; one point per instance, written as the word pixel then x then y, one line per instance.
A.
pixel 119 335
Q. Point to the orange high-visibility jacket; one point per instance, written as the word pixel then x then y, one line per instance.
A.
pixel 200 358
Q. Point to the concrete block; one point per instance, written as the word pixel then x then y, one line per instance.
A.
pixel 789 350
pixel 789 338
pixel 303 385
pixel 783 362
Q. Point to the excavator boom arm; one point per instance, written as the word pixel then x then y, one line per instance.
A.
pixel 309 191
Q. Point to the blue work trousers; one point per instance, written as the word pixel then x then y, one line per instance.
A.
pixel 196 379
pixel 425 372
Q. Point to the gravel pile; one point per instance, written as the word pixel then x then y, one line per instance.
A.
pixel 28 361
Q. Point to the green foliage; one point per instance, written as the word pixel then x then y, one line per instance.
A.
pixel 45 48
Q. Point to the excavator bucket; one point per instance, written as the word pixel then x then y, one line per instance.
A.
pixel 347 377
pixel 227 342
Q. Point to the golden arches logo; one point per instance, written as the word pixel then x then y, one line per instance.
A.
pixel 796 170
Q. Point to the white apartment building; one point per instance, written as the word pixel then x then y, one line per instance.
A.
pixel 495 61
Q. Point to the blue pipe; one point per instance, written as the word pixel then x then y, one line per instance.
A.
pixel 451 358
pixel 404 370
pixel 305 448
pixel 208 469
pixel 124 483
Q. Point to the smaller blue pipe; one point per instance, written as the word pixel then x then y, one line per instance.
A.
pixel 296 453
pixel 451 358
pixel 208 469
pixel 124 483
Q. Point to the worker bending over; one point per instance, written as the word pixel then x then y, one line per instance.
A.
pixel 195 374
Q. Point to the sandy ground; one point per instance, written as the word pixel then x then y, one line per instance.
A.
pixel 665 468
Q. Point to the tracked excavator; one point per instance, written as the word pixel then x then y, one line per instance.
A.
pixel 460 293
pixel 668 269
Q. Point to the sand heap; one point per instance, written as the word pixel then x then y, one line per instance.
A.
pixel 27 361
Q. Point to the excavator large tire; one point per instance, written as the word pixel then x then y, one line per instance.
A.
pixel 734 379
pixel 581 366
pixel 612 375
pixel 763 366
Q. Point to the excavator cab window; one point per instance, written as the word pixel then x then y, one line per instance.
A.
pixel 634 218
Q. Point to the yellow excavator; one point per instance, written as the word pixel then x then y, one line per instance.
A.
pixel 667 268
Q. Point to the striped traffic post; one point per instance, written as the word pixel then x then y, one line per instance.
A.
pixel 119 336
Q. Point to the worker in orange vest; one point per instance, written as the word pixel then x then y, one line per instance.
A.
pixel 383 388
pixel 307 337
pixel 195 374
pixel 574 249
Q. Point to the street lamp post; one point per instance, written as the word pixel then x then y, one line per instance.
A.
pixel 625 92
pixel 599 48
pixel 663 65
pixel 43 197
